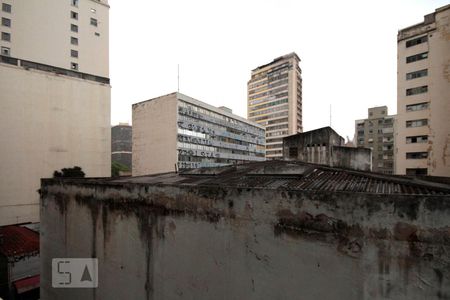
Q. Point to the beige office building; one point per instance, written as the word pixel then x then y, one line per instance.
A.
pixel 176 132
pixel 377 133
pixel 54 97
pixel 275 101
pixel 423 96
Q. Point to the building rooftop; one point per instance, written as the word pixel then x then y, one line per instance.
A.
pixel 18 241
pixel 287 56
pixel 288 175
pixel 218 110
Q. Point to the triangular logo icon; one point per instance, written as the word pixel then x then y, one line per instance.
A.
pixel 86 275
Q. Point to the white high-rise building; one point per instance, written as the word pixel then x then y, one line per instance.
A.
pixel 54 97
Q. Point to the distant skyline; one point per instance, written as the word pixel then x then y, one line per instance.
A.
pixel 348 51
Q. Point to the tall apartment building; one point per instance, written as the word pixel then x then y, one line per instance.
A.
pixel 423 96
pixel 377 132
pixel 178 132
pixel 121 144
pixel 275 101
pixel 54 97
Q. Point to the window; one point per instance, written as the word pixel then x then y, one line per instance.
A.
pixel 6 7
pixel 74 27
pixel 6 51
pixel 417 171
pixel 93 10
pixel 416 57
pixel 417 123
pixel 94 22
pixel 6 22
pixel 417 90
pixel 74 15
pixel 73 40
pixel 74 66
pixel 417 106
pixel 74 53
pixel 417 74
pixel 416 139
pixel 293 152
pixel 6 36
pixel 74 2
pixel 416 155
pixel 416 41
pixel 97 34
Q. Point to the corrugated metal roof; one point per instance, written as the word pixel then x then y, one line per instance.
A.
pixel 296 176
pixel 17 241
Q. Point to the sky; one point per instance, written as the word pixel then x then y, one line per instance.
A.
pixel 348 52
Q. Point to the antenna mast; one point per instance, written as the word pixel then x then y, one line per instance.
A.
pixel 330 115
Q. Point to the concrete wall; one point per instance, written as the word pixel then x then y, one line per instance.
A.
pixel 215 243
pixel 314 146
pixel 351 158
pixel 39 34
pixel 155 136
pixel 48 122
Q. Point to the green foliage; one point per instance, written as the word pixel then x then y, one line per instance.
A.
pixel 117 167
pixel 69 172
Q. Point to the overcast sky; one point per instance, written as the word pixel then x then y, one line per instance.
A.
pixel 348 52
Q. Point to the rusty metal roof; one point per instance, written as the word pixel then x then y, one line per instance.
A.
pixel 295 176
pixel 18 241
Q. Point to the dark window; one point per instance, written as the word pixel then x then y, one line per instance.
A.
pixel 94 22
pixel 74 53
pixel 416 155
pixel 6 51
pixel 6 22
pixel 417 106
pixel 97 34
pixel 74 2
pixel 416 139
pixel 293 152
pixel 417 90
pixel 74 66
pixel 416 41
pixel 74 15
pixel 6 7
pixel 417 123
pixel 417 74
pixel 74 40
pixel 74 27
pixel 418 171
pixel 6 36
pixel 416 57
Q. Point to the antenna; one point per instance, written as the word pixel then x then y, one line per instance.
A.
pixel 330 115
pixel 178 78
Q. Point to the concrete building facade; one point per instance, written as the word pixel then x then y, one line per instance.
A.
pixel 269 230
pixel 178 132
pixel 377 132
pixel 275 101
pixel 423 96
pixel 55 97
pixel 324 146
pixel 121 144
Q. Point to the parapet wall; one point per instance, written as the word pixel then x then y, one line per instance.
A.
pixel 194 242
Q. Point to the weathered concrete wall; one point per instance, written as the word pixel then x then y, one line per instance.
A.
pixel 352 158
pixel 156 242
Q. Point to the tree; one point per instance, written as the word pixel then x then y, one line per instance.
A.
pixel 117 167
pixel 69 172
